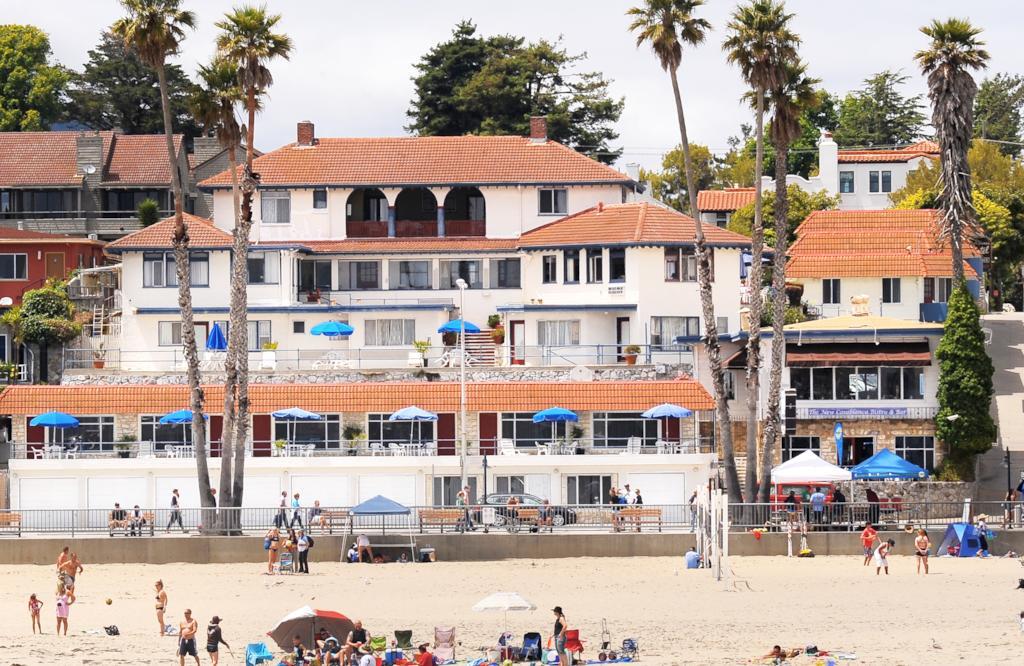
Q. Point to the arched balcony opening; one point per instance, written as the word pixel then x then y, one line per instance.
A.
pixel 465 212
pixel 366 214
pixel 416 213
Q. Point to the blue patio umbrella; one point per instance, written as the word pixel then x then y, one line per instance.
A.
pixel 180 416
pixel 412 414
pixel 455 326
pixel 666 411
pixel 54 420
pixel 216 341
pixel 554 415
pixel 332 329
pixel 293 414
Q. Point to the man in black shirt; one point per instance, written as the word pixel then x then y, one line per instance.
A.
pixel 118 518
pixel 357 638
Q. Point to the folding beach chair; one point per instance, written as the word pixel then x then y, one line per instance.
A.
pixel 286 563
pixel 531 647
pixel 257 653
pixel 444 644
pixel 573 644
pixel 379 643
pixel 403 638
pixel 507 648
pixel 630 648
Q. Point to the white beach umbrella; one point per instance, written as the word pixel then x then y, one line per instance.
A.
pixel 504 602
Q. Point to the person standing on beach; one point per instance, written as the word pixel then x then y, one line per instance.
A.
pixel 213 640
pixel 560 626
pixel 921 547
pixel 882 556
pixel 296 511
pixel 187 638
pixel 818 506
pixel 867 539
pixel 302 544
pixel 63 557
pixel 175 512
pixel 64 601
pixel 71 567
pixel 272 542
pixel 34 607
pixel 161 606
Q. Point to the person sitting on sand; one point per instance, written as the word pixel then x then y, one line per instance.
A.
pixel 330 653
pixel 298 651
pixel 352 555
pixel 367 657
pixel 356 639
pixel 425 658
pixel 778 655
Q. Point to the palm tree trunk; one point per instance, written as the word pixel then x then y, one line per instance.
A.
pixel 773 425
pixel 956 199
pixel 708 308
pixel 754 308
pixel 188 327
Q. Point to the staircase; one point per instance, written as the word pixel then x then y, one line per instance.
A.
pixel 480 348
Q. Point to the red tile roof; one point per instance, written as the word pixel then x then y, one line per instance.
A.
pixel 432 160
pixel 871 243
pixel 904 154
pixel 729 199
pixel 201 232
pixel 398 245
pixel 363 397
pixel 140 159
pixel 626 224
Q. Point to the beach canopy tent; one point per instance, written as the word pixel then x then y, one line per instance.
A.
pixel 887 465
pixel 808 468
pixel 455 326
pixel 332 329
pixel 963 538
pixel 306 622
pixel 504 602
pixel 216 341
pixel 379 505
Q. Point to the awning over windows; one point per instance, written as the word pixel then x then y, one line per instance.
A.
pixel 737 361
pixel 860 353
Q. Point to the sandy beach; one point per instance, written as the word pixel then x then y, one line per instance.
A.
pixel 964 609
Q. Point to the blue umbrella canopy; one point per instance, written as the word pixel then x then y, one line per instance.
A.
pixel 455 326
pixel 379 506
pixel 554 415
pixel 667 411
pixel 55 420
pixel 295 414
pixel 215 341
pixel 332 329
pixel 412 414
pixel 180 416
pixel 887 465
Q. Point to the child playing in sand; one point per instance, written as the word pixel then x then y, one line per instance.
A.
pixel 63 607
pixel 881 556
pixel 34 606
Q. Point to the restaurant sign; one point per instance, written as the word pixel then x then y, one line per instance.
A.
pixel 848 412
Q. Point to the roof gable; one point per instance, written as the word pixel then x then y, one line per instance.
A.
pixel 140 159
pixel 202 235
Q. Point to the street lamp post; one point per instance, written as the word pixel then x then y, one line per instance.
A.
pixel 461 284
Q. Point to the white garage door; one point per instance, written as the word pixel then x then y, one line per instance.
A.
pixel 399 487
pixel 103 492
pixel 38 499
pixel 188 491
pixel 330 490
pixel 539 485
pixel 663 488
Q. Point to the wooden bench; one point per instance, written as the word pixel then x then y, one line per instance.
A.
pixel 440 518
pixel 637 517
pixel 330 518
pixel 11 521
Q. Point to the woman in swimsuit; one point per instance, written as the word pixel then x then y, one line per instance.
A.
pixel 63 606
pixel 921 547
pixel 274 539
pixel 161 606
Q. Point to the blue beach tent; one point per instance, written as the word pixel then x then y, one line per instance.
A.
pixel 887 465
pixel 962 536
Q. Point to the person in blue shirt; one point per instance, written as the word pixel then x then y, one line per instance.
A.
pixel 692 558
pixel 296 511
pixel 818 506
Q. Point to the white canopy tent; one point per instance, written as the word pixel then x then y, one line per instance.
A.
pixel 808 467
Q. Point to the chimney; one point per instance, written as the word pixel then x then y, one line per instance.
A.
pixel 538 129
pixel 205 147
pixel 304 134
pixel 600 206
pixel 89 157
pixel 828 162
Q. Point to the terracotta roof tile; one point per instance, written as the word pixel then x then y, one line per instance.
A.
pixel 626 224
pixel 399 245
pixel 871 243
pixel 904 154
pixel 139 159
pixel 729 199
pixel 433 160
pixel 202 235
pixel 41 158
pixel 362 397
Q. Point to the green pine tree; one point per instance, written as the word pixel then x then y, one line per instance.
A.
pixel 965 388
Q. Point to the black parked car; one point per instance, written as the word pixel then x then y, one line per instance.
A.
pixel 560 515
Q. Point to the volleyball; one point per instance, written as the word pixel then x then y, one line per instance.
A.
pixel 110 601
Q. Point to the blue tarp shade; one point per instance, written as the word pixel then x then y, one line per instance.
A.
pixel 412 414
pixel 379 506
pixel 887 465
pixel 960 535
pixel 555 415
pixel 180 416
pixel 667 411
pixel 215 341
pixel 455 326
pixel 54 420
pixel 332 329
pixel 295 414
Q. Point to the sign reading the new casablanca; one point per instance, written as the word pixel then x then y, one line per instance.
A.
pixel 847 412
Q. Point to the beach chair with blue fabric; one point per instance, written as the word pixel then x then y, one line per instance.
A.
pixel 257 653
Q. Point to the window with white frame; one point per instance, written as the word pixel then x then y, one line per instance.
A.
pixel 275 207
pixel 858 383
pixel 595 265
pixel 410 274
pixel 617 264
pixel 319 198
pixel 506 273
pixel 314 274
pixel 163 435
pixel 794 445
pixel 874 181
pixel 571 268
pixel 325 433
pixel 520 428
pixel 160 270
pixel 721 218
pixel 389 332
pixel 937 290
pixel 558 332
pixel 887 181
pixel 722 324
pixel 549 264
pixel 169 333
pixel 681 264
pixel 830 291
pixel 91 430
pixel 448 487
pixel 846 182
pixel 264 267
pixel 588 488
pixel 381 430
pixel 891 288
pixel 13 266
pixel 918 449
pixel 454 270
pixel 616 429
pixel 665 330
pixel 359 275
pixel 553 201
pixel 258 333
pixel 510 485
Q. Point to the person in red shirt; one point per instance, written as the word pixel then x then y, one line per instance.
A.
pixel 867 539
pixel 424 658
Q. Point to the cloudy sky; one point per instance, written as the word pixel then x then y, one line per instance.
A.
pixel 350 72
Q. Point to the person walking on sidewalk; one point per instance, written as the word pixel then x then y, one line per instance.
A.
pixel 296 511
pixel 175 512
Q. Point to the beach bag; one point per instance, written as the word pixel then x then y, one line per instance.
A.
pixel 112 630
pixel 266 544
pixel 309 542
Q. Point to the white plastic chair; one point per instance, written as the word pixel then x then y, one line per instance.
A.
pixel 377 449
pixel 396 449
pixel 507 447
pixel 543 449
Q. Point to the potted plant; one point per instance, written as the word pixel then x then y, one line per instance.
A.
pixel 124 446
pixel 494 321
pixel 498 334
pixel 268 357
pixel 279 447
pixel 630 352
pixel 422 347
pixel 99 358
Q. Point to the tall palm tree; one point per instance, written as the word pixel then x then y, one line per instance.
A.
pixel 795 94
pixel 214 106
pixel 759 41
pixel 154 29
pixel 248 41
pixel 954 50
pixel 667 26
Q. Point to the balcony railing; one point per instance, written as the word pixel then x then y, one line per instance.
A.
pixel 75 214
pixel 414 228
pixel 355 298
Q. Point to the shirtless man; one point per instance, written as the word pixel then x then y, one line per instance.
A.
pixel 187 638
pixel 63 557
pixel 69 569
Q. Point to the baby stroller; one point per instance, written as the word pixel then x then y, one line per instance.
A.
pixel 286 563
pixel 531 647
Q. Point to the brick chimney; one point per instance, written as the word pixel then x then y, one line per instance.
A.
pixel 304 135
pixel 89 157
pixel 205 147
pixel 538 129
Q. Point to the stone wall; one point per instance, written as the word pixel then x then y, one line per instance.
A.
pixel 884 432
pixel 916 491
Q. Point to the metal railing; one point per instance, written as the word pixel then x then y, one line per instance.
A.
pixel 82 450
pixel 75 214
pixel 374 358
pixel 852 516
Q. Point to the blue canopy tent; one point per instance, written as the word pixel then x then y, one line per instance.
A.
pixel 960 540
pixel 216 341
pixel 416 415
pixel 379 505
pixel 293 414
pixel 58 420
pixel 555 415
pixel 666 411
pixel 332 329
pixel 887 465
